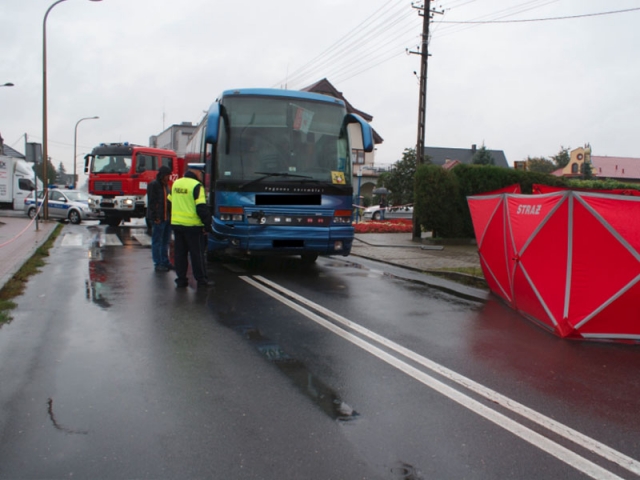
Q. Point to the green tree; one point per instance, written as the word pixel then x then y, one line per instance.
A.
pixel 563 158
pixel 51 171
pixel 60 177
pixel 541 165
pixel 399 180
pixel 586 170
pixel 482 157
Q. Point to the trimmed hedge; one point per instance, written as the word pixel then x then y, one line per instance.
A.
pixel 475 179
pixel 441 195
pixel 437 201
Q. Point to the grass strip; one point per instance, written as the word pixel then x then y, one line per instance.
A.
pixel 16 286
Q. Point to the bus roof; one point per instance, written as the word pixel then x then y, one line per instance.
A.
pixel 211 129
pixel 275 92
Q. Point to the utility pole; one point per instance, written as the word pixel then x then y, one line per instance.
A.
pixel 422 104
pixel 35 176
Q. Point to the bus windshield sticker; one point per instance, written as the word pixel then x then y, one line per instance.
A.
pixel 302 120
pixel 337 177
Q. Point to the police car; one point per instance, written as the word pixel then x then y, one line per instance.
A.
pixel 375 212
pixel 69 205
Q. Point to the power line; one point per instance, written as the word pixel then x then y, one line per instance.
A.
pixel 567 17
pixel 504 13
pixel 348 68
pixel 376 40
pixel 370 27
pixel 366 64
pixel 371 50
pixel 370 44
pixel 338 43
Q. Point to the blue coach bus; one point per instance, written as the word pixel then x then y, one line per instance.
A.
pixel 278 172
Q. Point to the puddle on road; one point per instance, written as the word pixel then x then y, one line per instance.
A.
pixel 405 471
pixel 321 394
pixel 95 288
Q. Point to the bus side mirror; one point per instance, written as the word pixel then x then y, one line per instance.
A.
pixel 86 163
pixel 365 129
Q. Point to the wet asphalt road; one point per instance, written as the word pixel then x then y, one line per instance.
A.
pixel 108 371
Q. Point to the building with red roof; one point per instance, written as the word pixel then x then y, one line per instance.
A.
pixel 622 169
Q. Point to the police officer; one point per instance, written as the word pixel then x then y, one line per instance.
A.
pixel 190 221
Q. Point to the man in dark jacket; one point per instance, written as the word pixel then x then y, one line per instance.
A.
pixel 383 206
pixel 190 221
pixel 159 216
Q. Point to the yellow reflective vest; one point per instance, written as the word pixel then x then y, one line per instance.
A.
pixel 183 205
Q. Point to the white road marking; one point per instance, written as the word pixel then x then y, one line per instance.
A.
pixel 554 449
pixel 110 240
pixel 143 239
pixel 104 239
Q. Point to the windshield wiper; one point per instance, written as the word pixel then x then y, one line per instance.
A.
pixel 272 174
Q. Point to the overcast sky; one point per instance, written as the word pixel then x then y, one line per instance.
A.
pixel 526 88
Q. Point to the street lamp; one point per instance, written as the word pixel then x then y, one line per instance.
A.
pixel 75 142
pixel 45 153
pixel 358 200
pixel 8 84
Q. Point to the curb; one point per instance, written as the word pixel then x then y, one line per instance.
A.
pixel 447 286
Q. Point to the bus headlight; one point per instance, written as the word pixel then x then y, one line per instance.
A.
pixel 337 246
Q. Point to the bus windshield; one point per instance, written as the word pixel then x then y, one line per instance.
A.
pixel 111 164
pixel 281 139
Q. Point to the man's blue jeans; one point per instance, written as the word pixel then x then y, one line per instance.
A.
pixel 160 238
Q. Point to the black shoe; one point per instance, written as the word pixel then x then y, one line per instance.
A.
pixel 205 283
pixel 181 283
pixel 162 268
pixel 170 267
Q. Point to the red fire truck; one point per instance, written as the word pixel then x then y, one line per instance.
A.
pixel 118 177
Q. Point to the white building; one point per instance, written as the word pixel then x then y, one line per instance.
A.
pixel 174 138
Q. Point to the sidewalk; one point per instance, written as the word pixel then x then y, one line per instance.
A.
pixel 19 240
pixel 400 250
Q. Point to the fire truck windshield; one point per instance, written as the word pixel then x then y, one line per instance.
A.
pixel 111 164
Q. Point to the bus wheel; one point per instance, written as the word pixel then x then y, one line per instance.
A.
pixel 309 258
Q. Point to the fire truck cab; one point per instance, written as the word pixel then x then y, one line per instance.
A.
pixel 118 177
